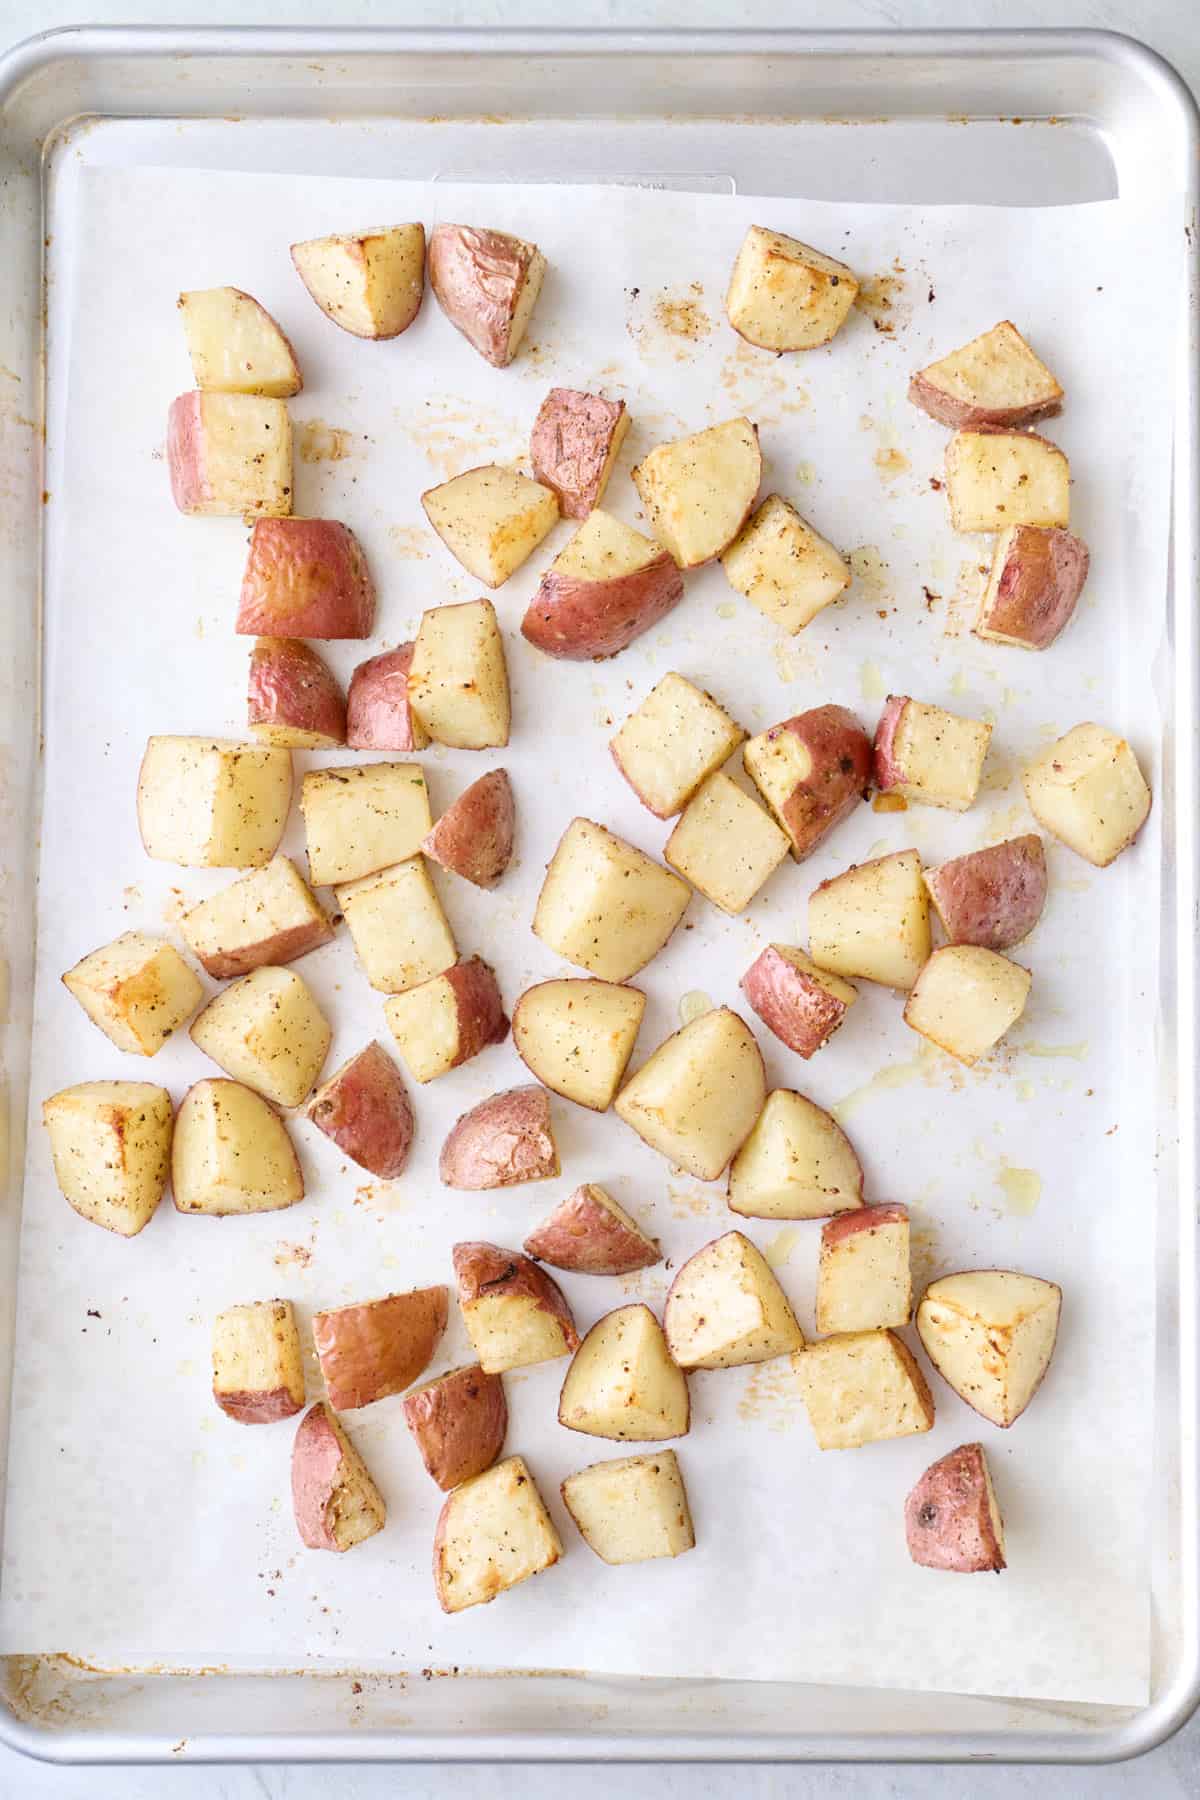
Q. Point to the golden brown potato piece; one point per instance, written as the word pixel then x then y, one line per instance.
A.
pixel 669 746
pixel 784 295
pixel 999 478
pixel 505 1139
pixel 258 1371
pixel 589 1234
pixel 861 1387
pixel 401 935
pixel 929 755
pixel 725 844
pixel 136 989
pixel 606 905
pixel 487 284
pixel 863 1279
pixel 361 819
pixel 270 916
pixel 872 920
pixel 994 380
pixel 622 1382
pixel 515 1314
pixel 231 1153
pixel 458 680
pixel 230 455
pixel 966 998
pixel 696 1099
pixel 335 1502
pixel 212 803
pixel 801 1004
pixel 379 715
pixel 371 283
pixel 991 897
pixel 474 836
pixel 1088 790
pixel 797 1163
pixel 447 1020
pixel 698 490
pixel 606 587
pixel 293 697
pixel 236 346
pixel 111 1143
pixel 267 1031
pixel 365 1109
pixel 784 567
pixel 812 771
pixel 378 1347
pixel 725 1308
pixel 952 1518
pixel 491 519
pixel 632 1508
pixel 990 1333
pixel 458 1421
pixel 492 1533
pixel 573 446
pixel 305 578
pixel 577 1036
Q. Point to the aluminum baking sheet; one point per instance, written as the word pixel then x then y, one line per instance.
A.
pixel 176 1542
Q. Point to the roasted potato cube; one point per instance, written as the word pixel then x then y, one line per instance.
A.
pixel 631 1509
pixel 999 478
pixel 725 1308
pixel 783 567
pixel 699 490
pixel 364 1109
pixel 622 1382
pixel 267 1032
pixel 504 1140
pixel 952 1517
pixel 235 345
pixel 515 1314
pixel 573 447
pixel 605 905
pixel 229 455
pixel 399 931
pixel 863 1279
pixel 992 897
pixel 258 1372
pixel 358 820
pixel 444 1022
pixel 474 836
pixel 458 1421
pixel 458 682
pixel 371 283
pixel 966 998
pixel 379 715
pixel 990 1333
pixel 675 740
pixel 812 771
pixel 335 1502
pixel 231 1153
pixel 374 1348
pixel 212 803
pixel 1088 790
pixel 784 295
pixel 589 1234
pixel 861 1387
pixel 270 916
pixel 487 284
pixel 305 578
pixel 491 519
pixel 994 380
pixel 604 589
pixel 111 1144
pixel 493 1532
pixel 1036 579
pixel 136 989
pixel 577 1036
pixel 873 921
pixel 293 697
pixel 696 1099
pixel 801 1004
pixel 725 844
pixel 797 1163
pixel 929 755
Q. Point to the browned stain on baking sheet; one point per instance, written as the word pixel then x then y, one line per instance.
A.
pixel 318 442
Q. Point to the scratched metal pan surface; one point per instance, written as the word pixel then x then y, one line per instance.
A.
pixel 1012 118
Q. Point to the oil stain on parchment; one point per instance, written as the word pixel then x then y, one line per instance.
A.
pixel 318 442
pixel 772 1395
pixel 454 434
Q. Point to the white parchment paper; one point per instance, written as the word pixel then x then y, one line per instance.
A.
pixel 141 1523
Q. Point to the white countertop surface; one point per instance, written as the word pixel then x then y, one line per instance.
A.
pixel 1173 1773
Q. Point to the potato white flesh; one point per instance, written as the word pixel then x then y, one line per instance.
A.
pixel 608 586
pixel 726 1308
pixel 605 905
pixel 622 1382
pixel 458 679
pixel 813 770
pixel 797 1163
pixel 493 1532
pixel 863 1279
pixel 487 284
pixel 873 921
pixel 801 1004
pixel 698 490
pixel 577 1036
pixel 268 1032
pixel 491 519
pixel 952 1517
pixel 990 1333
pixel 271 916
pixel 400 934
pixel 235 345
pixel 632 1509
pixel 862 1387
pixel 136 989
pixel 360 819
pixel 335 1502
pixel 725 844
pixel 784 295
pixel 1089 792
pixel 231 1153
pixel 445 1021
pixel 111 1144
pixel 258 1371
pixel 996 379
pixel 574 444
pixel 784 567
pixel 1036 578
pixel 515 1314
pixel 212 803
pixel 675 740
pixel 590 1234
pixel 695 1101
pixel 371 283
pixel 230 455
pixel 966 998
pixel 995 479
pixel 930 755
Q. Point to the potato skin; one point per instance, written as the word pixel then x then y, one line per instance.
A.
pixel 841 773
pixel 190 486
pixel 479 1267
pixel 263 1407
pixel 583 1236
pixel 863 1218
pixel 570 444
pixel 1033 594
pixel 292 690
pixel 380 1347
pixel 321 1465
pixel 364 1107
pixel 474 836
pixel 458 1423
pixel 378 715
pixel 963 415
pixel 305 578
pixel 947 1520
pixel 801 1013
pixel 993 897
pixel 480 1011
pixel 578 620
pixel 477 276
pixel 504 1140
pixel 888 772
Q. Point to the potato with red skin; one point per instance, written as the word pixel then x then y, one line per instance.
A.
pixel 335 1503
pixel 864 1281
pixel 589 1234
pixel 365 1109
pixel 994 380
pixel 487 284
pixel 573 445
pixel 293 697
pixel 458 1421
pixel 951 1518
pixel 444 1022
pixel 258 1371
pixel 374 1348
pixel 812 770
pixel 515 1314
pixel 801 1004
pixel 929 755
pixel 268 916
pixel 1036 578
pixel 991 897
pixel 305 578
pixel 606 587
pixel 378 713
pixel 474 836
pixel 504 1140
pixel 229 455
